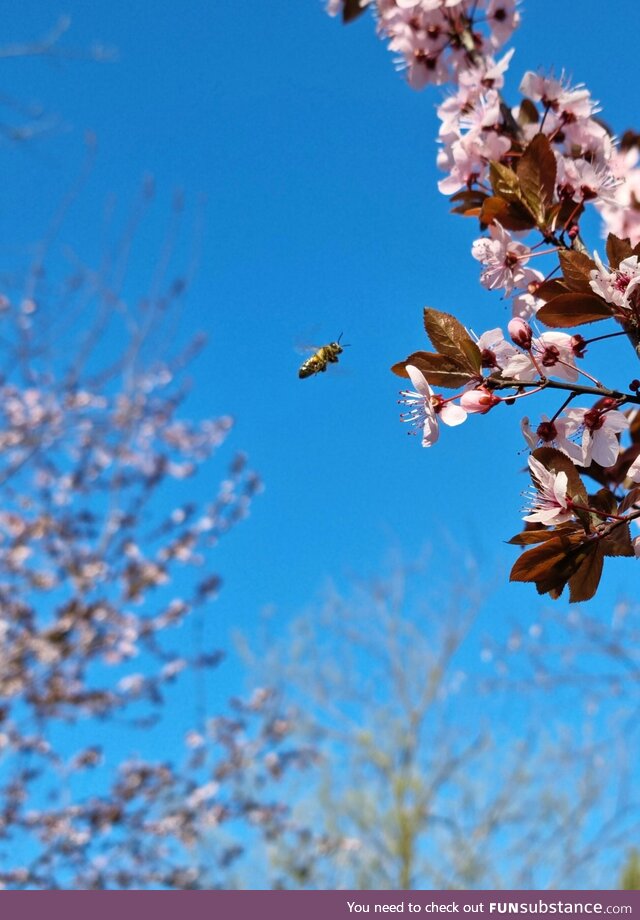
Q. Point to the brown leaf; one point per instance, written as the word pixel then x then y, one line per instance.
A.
pixel 604 500
pixel 618 542
pixel 568 310
pixel 576 267
pixel 617 250
pixel 400 369
pixel 537 175
pixel 540 535
pixel 468 199
pixel 473 355
pixel 528 113
pixel 551 564
pixel 439 370
pixel 447 334
pixel 510 214
pixel 504 182
pixel 583 584
pixel 551 288
pixel 631 498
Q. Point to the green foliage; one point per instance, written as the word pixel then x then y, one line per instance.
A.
pixel 630 876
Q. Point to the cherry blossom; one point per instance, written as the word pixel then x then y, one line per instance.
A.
pixel 525 305
pixel 527 172
pixel 467 158
pixel 598 429
pixel 582 180
pixel 503 257
pixel 634 470
pixel 558 95
pixel 495 351
pixel 620 287
pixel 551 353
pixel 622 214
pixel 552 433
pixel 425 407
pixel 550 504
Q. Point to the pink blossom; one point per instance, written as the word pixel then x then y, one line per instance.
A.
pixel 550 434
pixel 525 305
pixel 554 355
pixel 550 504
pixel 633 473
pixel 495 350
pixel 503 258
pixel 503 17
pixel 558 95
pixel 622 216
pixel 598 430
pixel 620 287
pixel 485 73
pixel 467 158
pixel 582 180
pixel 425 406
pixel 481 114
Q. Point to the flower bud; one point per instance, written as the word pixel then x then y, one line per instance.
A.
pixel 520 332
pixel 480 400
pixel 547 431
pixel 578 345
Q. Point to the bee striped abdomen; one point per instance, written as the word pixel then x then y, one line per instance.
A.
pixel 311 366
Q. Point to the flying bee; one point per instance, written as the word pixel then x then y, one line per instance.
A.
pixel 318 362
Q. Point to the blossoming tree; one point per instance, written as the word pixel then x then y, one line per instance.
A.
pixel 528 173
pixel 106 561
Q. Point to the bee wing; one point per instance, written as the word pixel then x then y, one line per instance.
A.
pixel 306 349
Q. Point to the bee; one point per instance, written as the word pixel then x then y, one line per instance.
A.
pixel 318 362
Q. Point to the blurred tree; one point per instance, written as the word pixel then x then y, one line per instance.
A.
pixel 630 877
pixel 433 775
pixel 105 556
pixel 23 120
pixel 109 518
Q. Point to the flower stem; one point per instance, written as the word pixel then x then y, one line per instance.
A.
pixel 496 383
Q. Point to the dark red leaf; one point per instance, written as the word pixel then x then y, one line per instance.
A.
pixel 576 267
pixel 528 113
pixel 447 334
pixel 439 370
pixel 510 214
pixel 618 250
pixel 552 288
pixel 537 175
pixel 551 564
pixel 583 584
pixel 504 182
pixel 568 310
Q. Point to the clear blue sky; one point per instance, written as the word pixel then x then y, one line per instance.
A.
pixel 322 217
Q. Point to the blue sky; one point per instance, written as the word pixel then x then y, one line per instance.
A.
pixel 317 165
